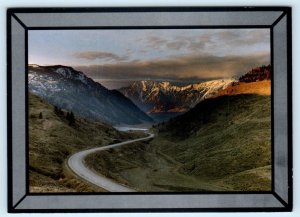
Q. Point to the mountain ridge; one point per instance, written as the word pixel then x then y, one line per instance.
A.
pixel 70 89
pixel 157 97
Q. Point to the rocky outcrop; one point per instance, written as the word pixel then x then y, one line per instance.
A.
pixel 257 74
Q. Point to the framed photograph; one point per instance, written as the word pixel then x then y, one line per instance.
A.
pixel 155 109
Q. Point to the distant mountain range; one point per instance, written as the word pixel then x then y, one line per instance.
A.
pixel 157 98
pixel 69 89
pixel 72 90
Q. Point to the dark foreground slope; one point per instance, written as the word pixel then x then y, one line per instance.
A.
pixel 222 144
pixel 52 138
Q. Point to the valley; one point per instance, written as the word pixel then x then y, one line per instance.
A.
pixel 226 147
pixel 209 136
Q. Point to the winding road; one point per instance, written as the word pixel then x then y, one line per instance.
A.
pixel 76 164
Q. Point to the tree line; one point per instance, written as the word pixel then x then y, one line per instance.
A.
pixel 69 116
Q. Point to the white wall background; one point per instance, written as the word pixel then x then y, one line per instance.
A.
pixel 93 3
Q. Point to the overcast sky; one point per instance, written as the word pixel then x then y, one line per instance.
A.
pixel 117 57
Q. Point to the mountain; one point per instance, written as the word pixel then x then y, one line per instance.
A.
pixel 156 98
pixel 69 89
pixel 257 74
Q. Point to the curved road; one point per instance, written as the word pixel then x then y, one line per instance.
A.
pixel 76 164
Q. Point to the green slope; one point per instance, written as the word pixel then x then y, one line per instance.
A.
pixel 222 136
pixel 222 144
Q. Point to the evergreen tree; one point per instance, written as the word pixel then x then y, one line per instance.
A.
pixel 41 115
pixel 71 119
pixel 61 112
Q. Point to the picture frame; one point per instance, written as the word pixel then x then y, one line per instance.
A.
pixel 22 20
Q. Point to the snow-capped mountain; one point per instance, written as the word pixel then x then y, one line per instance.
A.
pixel 154 97
pixel 69 89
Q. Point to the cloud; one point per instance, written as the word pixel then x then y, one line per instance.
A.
pixel 208 41
pixel 228 35
pixel 155 42
pixel 93 55
pixel 257 37
pixel 193 68
pixel 196 45
pixel 177 43
pixel 252 37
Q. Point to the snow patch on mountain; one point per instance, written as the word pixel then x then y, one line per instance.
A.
pixel 152 96
pixel 69 89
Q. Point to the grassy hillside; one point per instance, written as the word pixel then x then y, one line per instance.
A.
pixel 222 136
pixel 223 144
pixel 53 137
